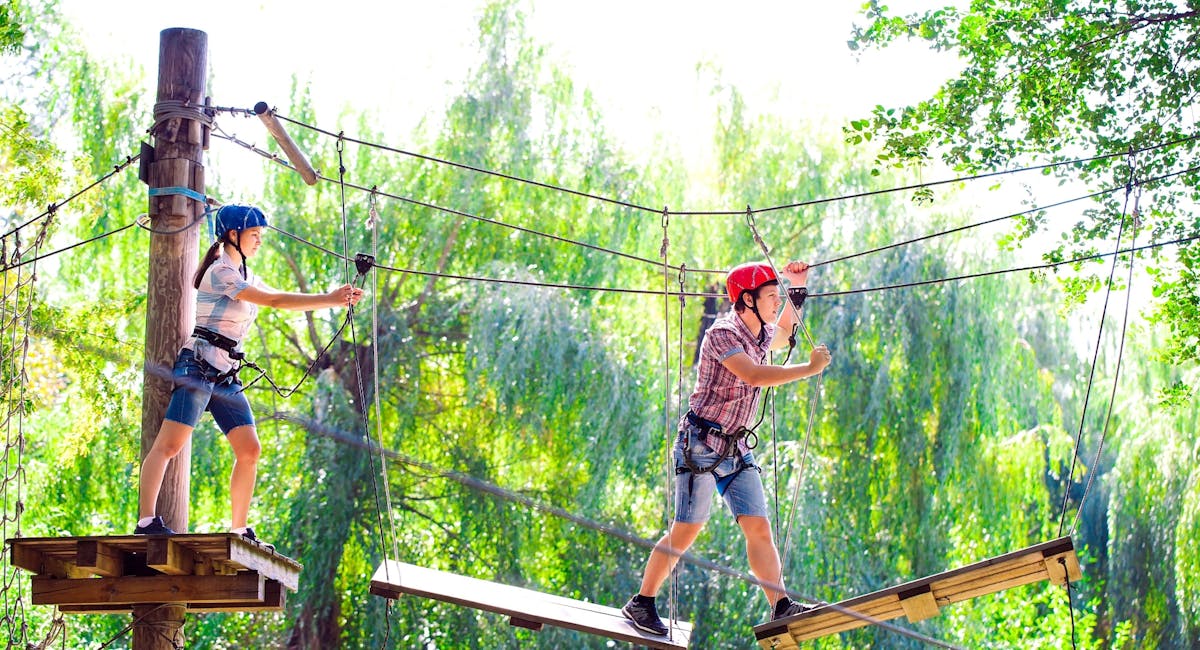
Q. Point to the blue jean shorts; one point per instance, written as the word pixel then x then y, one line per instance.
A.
pixel 737 479
pixel 197 390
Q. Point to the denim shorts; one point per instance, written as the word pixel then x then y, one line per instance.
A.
pixel 196 390
pixel 736 479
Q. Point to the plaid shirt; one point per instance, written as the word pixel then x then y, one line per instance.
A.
pixel 719 395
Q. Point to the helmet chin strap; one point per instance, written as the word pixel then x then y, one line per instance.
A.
pixel 762 324
pixel 238 248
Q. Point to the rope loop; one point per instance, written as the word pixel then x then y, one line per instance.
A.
pixel 666 241
pixel 171 109
pixel 682 277
pixel 754 232
pixel 373 206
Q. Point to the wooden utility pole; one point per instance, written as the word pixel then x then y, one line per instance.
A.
pixel 171 300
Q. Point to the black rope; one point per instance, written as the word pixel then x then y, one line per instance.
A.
pixel 528 283
pixel 341 145
pixel 288 392
pixel 917 186
pixel 691 294
pixel 53 207
pixel 1112 398
pixel 1066 485
pixel 365 409
pixel 961 179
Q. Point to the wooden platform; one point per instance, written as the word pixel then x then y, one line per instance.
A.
pixel 921 599
pixel 524 607
pixel 109 575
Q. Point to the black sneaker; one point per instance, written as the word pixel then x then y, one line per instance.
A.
pixel 155 527
pixel 791 609
pixel 644 617
pixel 250 536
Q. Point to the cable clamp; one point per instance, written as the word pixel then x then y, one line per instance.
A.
pixel 363 263
pixel 797 295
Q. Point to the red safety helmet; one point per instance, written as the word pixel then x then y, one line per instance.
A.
pixel 748 277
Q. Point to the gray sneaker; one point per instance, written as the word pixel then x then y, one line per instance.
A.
pixel 791 609
pixel 644 617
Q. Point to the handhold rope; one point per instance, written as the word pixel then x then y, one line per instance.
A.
pixel 799 323
pixel 669 493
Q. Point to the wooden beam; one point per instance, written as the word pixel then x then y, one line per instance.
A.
pixel 274 599
pixel 166 556
pixel 99 558
pixel 293 153
pixel 918 604
pixel 524 607
pixel 520 622
pixel 148 590
pixel 35 561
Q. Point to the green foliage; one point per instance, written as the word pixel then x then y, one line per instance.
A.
pixel 944 433
pixel 1059 81
pixel 11 32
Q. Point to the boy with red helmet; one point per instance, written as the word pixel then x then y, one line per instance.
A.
pixel 713 448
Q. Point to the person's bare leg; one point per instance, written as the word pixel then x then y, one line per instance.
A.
pixel 171 438
pixel 665 554
pixel 763 556
pixel 246 450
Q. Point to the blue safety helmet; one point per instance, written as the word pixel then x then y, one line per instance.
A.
pixel 237 217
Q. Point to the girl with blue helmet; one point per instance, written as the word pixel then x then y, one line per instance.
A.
pixel 228 296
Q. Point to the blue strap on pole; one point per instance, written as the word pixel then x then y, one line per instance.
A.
pixel 195 196
pixel 188 192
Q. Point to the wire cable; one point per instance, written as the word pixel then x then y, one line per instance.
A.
pixel 451 211
pixel 53 207
pixel 1033 267
pixel 1067 479
pixel 978 224
pixel 635 206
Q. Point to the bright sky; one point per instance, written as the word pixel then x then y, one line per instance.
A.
pixel 403 60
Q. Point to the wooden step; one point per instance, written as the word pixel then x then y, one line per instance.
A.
pixel 917 600
pixel 524 607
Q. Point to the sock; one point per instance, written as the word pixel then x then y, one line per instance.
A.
pixel 643 600
pixel 782 604
pixel 145 521
pixel 239 531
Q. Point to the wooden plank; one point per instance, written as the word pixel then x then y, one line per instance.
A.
pixel 394 578
pixel 257 557
pixel 274 599
pixel 922 598
pixel 148 590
